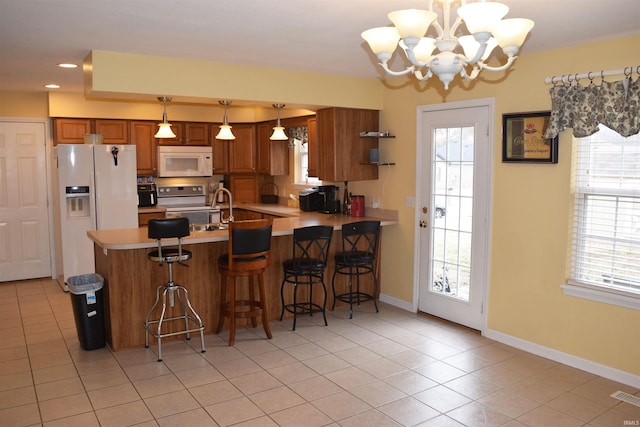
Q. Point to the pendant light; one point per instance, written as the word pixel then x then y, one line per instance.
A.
pixel 225 129
pixel 278 131
pixel 164 128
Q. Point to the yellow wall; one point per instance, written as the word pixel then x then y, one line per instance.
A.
pixel 530 210
pixel 27 105
pixel 530 202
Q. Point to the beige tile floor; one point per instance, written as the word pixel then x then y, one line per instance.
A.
pixel 387 369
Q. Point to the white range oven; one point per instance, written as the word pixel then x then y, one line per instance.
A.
pixel 188 201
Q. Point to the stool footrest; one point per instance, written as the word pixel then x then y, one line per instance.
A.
pixel 303 308
pixel 358 297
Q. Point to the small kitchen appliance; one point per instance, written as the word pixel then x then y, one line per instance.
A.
pixel 147 195
pixel 187 200
pixel 330 200
pixel 357 205
pixel 310 200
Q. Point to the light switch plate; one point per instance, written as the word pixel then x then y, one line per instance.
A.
pixel 411 202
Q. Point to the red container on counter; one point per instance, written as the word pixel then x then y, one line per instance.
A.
pixel 357 205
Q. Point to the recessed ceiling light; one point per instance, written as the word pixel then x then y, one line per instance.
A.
pixel 67 66
pixel 52 86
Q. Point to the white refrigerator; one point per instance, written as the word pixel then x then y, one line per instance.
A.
pixel 96 189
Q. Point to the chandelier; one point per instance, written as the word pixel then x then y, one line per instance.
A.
pixel 464 55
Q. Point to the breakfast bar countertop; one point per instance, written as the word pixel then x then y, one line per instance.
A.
pixel 136 238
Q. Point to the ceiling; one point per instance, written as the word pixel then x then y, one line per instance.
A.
pixel 319 36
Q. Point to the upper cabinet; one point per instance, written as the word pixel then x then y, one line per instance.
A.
pixel 188 133
pixel 142 135
pixel 242 150
pixel 273 156
pixel 342 154
pixel 113 131
pixel 237 155
pixel 72 131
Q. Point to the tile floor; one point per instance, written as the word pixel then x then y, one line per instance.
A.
pixel 387 369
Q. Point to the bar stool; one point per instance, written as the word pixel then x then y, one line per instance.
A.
pixel 358 257
pixel 306 267
pixel 247 256
pixel 171 228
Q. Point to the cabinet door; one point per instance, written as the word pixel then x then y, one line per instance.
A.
pixel 220 152
pixel 196 133
pixel 263 148
pixel 242 150
pixel 244 188
pixel 113 131
pixel 142 135
pixel 70 131
pixel 312 166
pixel 273 156
pixel 343 155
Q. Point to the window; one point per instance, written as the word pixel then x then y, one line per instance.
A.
pixel 302 164
pixel 606 234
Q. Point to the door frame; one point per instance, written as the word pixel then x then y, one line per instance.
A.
pixel 48 148
pixel 489 103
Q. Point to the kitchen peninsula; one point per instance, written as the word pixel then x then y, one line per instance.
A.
pixel 131 279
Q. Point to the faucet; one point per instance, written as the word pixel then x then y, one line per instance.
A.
pixel 215 197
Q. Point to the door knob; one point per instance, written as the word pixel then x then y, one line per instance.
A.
pixel 423 224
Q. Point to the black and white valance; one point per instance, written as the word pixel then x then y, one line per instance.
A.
pixel 614 104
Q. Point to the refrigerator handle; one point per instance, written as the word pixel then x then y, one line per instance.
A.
pixel 92 201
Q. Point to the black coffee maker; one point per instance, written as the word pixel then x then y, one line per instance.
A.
pixel 329 197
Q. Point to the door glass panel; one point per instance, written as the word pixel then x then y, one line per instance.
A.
pixel 452 204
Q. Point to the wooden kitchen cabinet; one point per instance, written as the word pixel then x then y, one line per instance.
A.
pixel 188 133
pixel 220 152
pixel 113 131
pixel 342 154
pixel 243 187
pixel 142 135
pixel 242 150
pixel 273 156
pixel 70 131
pixel 144 217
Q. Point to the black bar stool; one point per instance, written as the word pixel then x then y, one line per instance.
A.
pixel 306 267
pixel 358 257
pixel 171 228
pixel 247 256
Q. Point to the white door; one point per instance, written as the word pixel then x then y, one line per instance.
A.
pixel 454 179
pixel 24 219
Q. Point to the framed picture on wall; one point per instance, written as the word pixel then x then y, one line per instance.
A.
pixel 523 140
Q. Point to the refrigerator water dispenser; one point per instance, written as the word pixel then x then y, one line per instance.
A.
pixel 78 205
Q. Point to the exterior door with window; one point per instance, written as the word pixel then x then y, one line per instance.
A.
pixel 454 164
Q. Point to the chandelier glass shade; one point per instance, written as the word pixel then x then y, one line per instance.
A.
pixel 164 128
pixel 455 53
pixel 278 131
pixel 225 130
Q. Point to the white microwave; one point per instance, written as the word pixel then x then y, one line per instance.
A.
pixel 177 161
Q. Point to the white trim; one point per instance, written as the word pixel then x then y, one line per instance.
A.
pixel 398 303
pixel 607 296
pixel 565 358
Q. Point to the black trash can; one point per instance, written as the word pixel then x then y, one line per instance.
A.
pixel 88 309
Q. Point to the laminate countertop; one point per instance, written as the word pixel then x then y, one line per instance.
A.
pixel 288 220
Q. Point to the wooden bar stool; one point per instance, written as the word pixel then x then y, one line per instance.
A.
pixel 306 268
pixel 358 257
pixel 171 228
pixel 247 256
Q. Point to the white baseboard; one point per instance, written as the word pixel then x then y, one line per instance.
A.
pixel 565 358
pixel 397 303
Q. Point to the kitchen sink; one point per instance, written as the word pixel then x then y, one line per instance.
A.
pixel 210 226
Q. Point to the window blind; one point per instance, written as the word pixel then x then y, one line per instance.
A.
pixel 606 244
